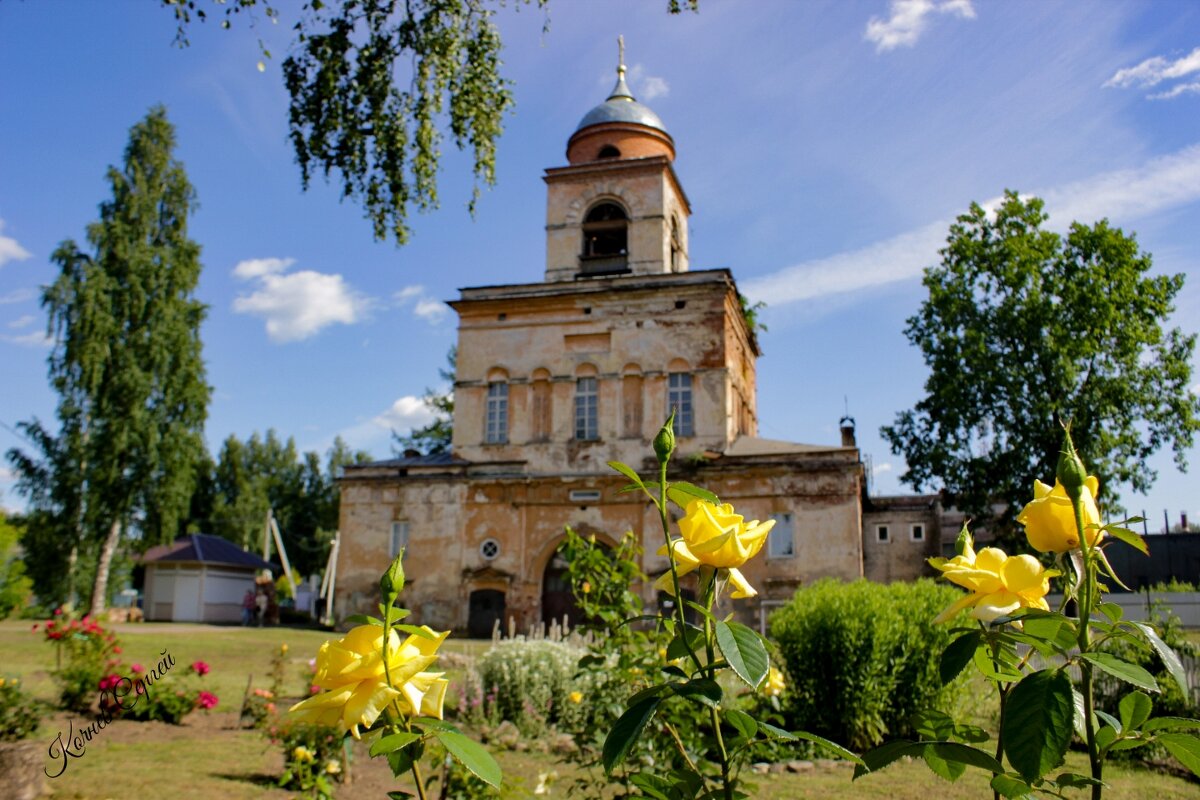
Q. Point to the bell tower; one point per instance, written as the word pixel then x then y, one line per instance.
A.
pixel 617 208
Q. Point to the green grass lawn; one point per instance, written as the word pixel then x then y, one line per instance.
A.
pixel 209 757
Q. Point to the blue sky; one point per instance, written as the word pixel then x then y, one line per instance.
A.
pixel 825 148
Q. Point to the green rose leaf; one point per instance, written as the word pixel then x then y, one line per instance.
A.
pixel 395 741
pixel 1170 658
pixel 682 493
pixel 1135 709
pixel 772 732
pixel 745 652
pixel 1038 723
pixel 957 655
pixel 942 767
pixel 1128 537
pixel 472 755
pixel 1161 723
pixel 705 691
pixel 625 732
pixel 887 753
pixel 416 630
pixel 654 786
pixel 832 747
pixel 1010 787
pixel 1130 673
pixel 742 722
pixel 1184 747
pixel 363 619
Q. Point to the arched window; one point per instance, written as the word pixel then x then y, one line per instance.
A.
pixel 608 151
pixel 605 239
pixel 496 429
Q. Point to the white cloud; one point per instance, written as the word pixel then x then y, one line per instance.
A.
pixel 35 339
pixel 22 322
pixel 10 250
pixel 258 267
pixel 647 87
pixel 297 305
pixel 17 296
pixel 909 19
pixel 1183 88
pixel 407 293
pixel 1155 70
pixel 404 414
pixel 424 307
pixel 431 311
pixel 879 469
pixel 1163 183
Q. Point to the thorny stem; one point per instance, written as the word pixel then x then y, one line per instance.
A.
pixel 710 592
pixel 666 526
pixel 387 674
pixel 679 746
pixel 1085 667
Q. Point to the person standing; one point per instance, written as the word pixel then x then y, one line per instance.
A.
pixel 248 607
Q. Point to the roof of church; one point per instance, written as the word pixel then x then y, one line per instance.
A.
pixel 754 446
pixel 431 460
pixel 621 106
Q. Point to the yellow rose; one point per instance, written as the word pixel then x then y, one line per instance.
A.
pixel 283 649
pixel 351 672
pixel 716 536
pixel 333 767
pixel 775 684
pixel 1049 519
pixel 302 753
pixel 575 697
pixel 998 584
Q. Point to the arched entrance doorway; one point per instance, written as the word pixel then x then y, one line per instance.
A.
pixel 485 609
pixel 557 599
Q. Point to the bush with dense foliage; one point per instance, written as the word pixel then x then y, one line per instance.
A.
pixel 313 757
pixel 862 657
pixel 529 682
pixel 20 714
pixel 84 655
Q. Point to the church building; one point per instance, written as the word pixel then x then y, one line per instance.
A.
pixel 557 377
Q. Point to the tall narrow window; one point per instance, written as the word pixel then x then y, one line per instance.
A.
pixel 631 404
pixel 496 431
pixel 679 398
pixel 605 239
pixel 587 420
pixel 676 247
pixel 780 541
pixel 542 419
pixel 399 538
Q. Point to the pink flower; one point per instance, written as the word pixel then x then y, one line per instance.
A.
pixel 270 708
pixel 117 650
pixel 200 668
pixel 58 611
pixel 206 700
pixel 136 668
pixel 34 628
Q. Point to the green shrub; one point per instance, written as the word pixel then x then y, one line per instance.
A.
pixel 20 714
pixel 862 657
pixel 528 683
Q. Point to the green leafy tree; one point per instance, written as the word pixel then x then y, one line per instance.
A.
pixel 267 473
pixel 126 365
pixel 436 436
pixel 376 85
pixel 15 585
pixel 1024 329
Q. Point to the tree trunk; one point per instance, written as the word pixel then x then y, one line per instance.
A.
pixel 100 587
pixel 72 566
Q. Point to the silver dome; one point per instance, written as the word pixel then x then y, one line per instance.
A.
pixel 621 107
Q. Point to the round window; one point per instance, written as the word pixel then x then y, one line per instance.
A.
pixel 489 549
